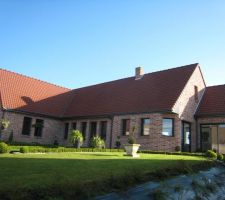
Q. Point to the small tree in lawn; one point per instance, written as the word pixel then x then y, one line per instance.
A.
pixel 76 138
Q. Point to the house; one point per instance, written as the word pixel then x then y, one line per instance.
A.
pixel 169 109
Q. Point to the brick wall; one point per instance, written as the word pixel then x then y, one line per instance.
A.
pixel 52 129
pixel 186 104
pixel 87 137
pixel 155 140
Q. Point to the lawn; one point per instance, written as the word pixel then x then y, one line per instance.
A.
pixel 19 171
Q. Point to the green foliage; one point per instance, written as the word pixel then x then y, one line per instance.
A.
pixel 5 124
pixel 97 142
pixel 171 153
pixel 131 140
pixel 177 148
pixel 76 138
pixel 3 147
pixel 44 149
pixel 211 154
pixel 105 172
pixel 24 149
pixel 220 157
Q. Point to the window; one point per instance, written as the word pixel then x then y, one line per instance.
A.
pixel 93 129
pixel 38 127
pixel 84 129
pixel 66 130
pixel 74 125
pixel 145 126
pixel 125 127
pixel 168 127
pixel 103 129
pixel 196 94
pixel 26 126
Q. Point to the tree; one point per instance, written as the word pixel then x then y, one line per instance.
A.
pixel 76 138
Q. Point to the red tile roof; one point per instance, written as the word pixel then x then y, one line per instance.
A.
pixel 19 92
pixel 213 101
pixel 155 92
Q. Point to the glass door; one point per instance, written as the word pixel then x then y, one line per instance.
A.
pixel 186 137
pixel 206 141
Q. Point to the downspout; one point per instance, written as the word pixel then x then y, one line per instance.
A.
pixel 197 133
pixel 111 132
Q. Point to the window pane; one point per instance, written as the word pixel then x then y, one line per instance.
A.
pixel 74 125
pixel 145 126
pixel 167 128
pixel 103 129
pixel 66 131
pixel 126 127
pixel 26 125
pixel 38 127
pixel 84 129
pixel 93 129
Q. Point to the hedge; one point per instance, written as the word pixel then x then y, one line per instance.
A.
pixel 42 149
pixel 171 153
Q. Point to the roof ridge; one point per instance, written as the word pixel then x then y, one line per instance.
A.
pixel 215 85
pixel 6 70
pixel 107 82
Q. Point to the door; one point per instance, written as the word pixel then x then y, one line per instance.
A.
pixel 186 137
pixel 206 139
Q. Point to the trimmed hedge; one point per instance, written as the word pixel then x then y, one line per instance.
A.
pixel 42 149
pixel 171 153
pixel 4 148
pixel 211 154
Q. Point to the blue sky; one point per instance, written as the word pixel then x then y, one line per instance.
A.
pixel 78 43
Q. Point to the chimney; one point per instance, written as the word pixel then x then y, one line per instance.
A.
pixel 139 73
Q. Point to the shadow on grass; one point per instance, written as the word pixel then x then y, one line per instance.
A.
pixel 37 178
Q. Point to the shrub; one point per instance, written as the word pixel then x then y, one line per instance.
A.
pixel 211 154
pixel 76 138
pixel 220 157
pixel 3 147
pixel 131 140
pixel 177 149
pixel 97 142
pixel 24 149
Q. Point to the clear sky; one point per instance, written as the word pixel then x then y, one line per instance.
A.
pixel 75 43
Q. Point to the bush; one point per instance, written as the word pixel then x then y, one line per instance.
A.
pixel 220 157
pixel 97 142
pixel 211 154
pixel 24 149
pixel 177 149
pixel 131 140
pixel 3 147
pixel 76 138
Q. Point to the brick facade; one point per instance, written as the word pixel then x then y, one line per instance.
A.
pixel 52 129
pixel 155 140
pixel 186 104
pixel 183 110
pixel 87 135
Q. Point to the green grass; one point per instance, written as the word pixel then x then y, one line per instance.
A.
pixel 43 170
